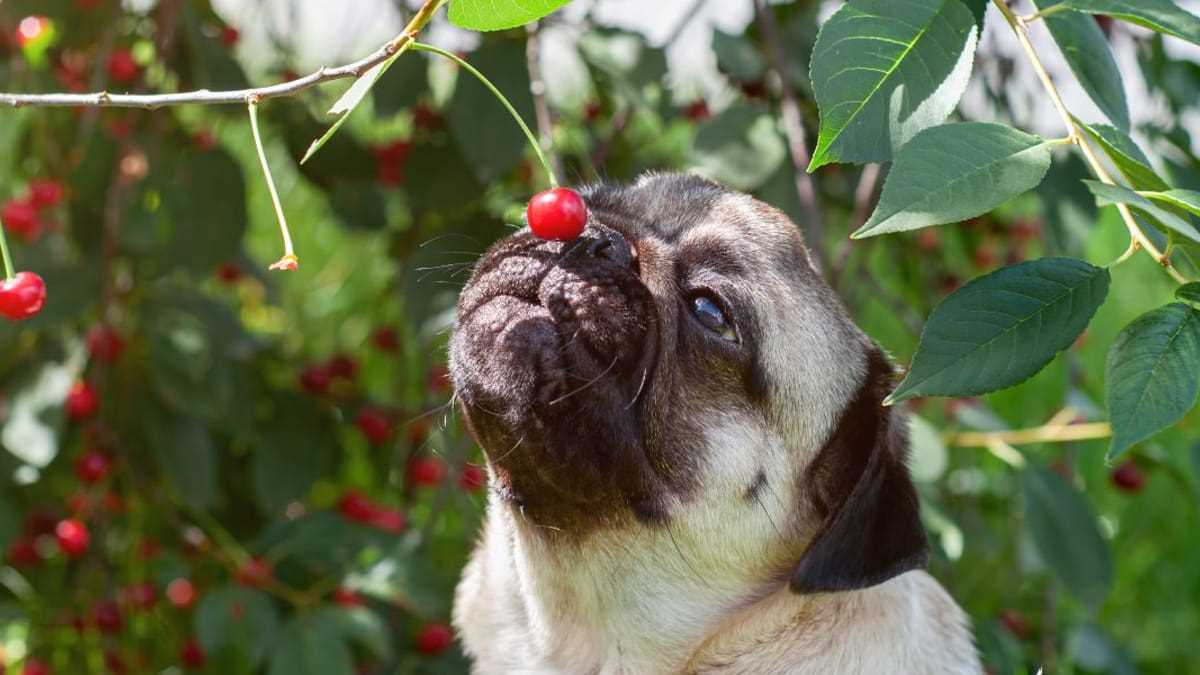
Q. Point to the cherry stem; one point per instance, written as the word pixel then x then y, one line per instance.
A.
pixel 289 254
pixel 9 272
pixel 537 148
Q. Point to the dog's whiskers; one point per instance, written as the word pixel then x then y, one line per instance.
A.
pixel 594 380
pixel 641 386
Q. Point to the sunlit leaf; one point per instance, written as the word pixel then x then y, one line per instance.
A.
pixel 1086 50
pixel 485 15
pixel 954 172
pixel 1115 194
pixel 1162 16
pixel 882 71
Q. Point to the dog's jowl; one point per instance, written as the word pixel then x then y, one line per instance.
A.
pixel 691 469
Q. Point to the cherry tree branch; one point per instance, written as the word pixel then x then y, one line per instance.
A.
pixel 793 127
pixel 104 99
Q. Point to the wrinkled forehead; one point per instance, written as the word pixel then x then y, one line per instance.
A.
pixel 700 218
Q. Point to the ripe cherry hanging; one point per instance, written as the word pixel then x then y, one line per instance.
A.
pixel 558 213
pixel 22 296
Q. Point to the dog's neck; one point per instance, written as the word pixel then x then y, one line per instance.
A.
pixel 615 607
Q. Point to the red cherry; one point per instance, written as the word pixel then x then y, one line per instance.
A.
pixel 205 141
pixel 23 553
pixel 255 572
pixel 192 655
pixel 473 478
pixel 356 506
pixel 697 111
pixel 36 667
pixel 93 466
pixel 316 380
pixel 143 595
pixel 122 68
pixel 41 522
pixel 31 28
pixel 389 520
pixel 374 424
pixel 434 638
pixel 107 617
pixel 342 367
pixel 1128 477
pixel 439 378
pixel 105 343
pixel 45 193
pixel 557 214
pixel 229 273
pixel 114 663
pixel 73 537
pixel 181 593
pixel 592 111
pixel 1014 622
pixel 386 339
pixel 426 118
pixel 230 36
pixel 346 597
pixel 82 401
pixel 22 296
pixel 390 160
pixel 426 471
pixel 21 218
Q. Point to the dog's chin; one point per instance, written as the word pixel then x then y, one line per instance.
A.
pixel 549 355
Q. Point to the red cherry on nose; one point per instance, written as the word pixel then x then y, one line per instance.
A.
pixel 22 296
pixel 557 214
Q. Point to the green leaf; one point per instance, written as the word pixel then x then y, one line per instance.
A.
pixel 189 458
pixel 1065 532
pixel 10 523
pixel 287 458
pixel 349 100
pixel 1152 375
pixel 1189 292
pixel 485 15
pixel 401 86
pixel 236 617
pixel 737 57
pixel 1188 200
pixel 741 147
pixel 1127 156
pixel 954 172
pixel 884 70
pixel 1086 50
pixel 1162 16
pixel 362 626
pixel 204 196
pixel 1003 327
pixel 1107 195
pixel 490 140
pixel 311 644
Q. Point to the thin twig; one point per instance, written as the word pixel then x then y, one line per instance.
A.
pixel 1044 434
pixel 537 88
pixel 104 99
pixel 289 260
pixel 793 128
pixel 1135 231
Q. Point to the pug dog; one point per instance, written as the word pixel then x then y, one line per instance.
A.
pixel 691 469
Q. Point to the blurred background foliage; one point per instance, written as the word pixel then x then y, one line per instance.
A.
pixel 266 468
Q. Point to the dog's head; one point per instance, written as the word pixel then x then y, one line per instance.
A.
pixel 682 366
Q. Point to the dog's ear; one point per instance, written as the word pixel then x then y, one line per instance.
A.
pixel 860 485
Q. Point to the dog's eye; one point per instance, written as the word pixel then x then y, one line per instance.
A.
pixel 709 313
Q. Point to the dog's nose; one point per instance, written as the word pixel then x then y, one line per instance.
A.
pixel 608 244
